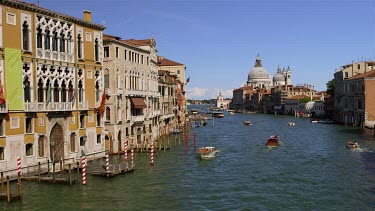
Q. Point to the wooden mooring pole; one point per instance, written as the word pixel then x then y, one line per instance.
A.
pixel 8 189
pixel 70 174
pixel 19 186
pixel 39 172
pixel 2 182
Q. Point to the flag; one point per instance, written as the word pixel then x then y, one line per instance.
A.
pixel 2 98
pixel 73 98
pixel 187 80
pixel 100 109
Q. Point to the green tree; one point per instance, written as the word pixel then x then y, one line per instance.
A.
pixel 331 87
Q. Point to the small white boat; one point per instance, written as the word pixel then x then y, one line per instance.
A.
pixel 291 123
pixel 247 123
pixel 207 152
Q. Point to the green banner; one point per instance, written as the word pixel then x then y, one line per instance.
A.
pixel 13 79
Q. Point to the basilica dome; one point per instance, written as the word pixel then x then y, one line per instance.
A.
pixel 258 76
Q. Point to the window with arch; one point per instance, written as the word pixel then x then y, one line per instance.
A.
pixel 106 78
pixel 79 46
pixel 72 142
pixel 47 42
pixel 69 43
pixel 39 37
pixel 96 49
pixel 97 92
pixel 98 119
pixel 26 90
pixel 80 91
pixel 29 149
pixel 55 39
pixel 62 42
pixel 82 141
pixel 25 36
pixel 63 92
pixel 2 153
pixel 56 96
pixel 107 114
pixel 40 91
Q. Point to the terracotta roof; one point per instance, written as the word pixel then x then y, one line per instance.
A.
pixel 134 42
pixel 363 75
pixel 166 62
pixel 37 9
pixel 110 37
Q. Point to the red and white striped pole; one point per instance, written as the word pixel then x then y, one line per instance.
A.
pixel 125 150
pixel 152 153
pixel 106 163
pixel 83 170
pixel 19 166
pixel 132 156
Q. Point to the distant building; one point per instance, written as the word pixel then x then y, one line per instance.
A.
pixel 282 78
pixel 221 103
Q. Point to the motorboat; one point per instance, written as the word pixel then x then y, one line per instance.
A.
pixel 217 114
pixel 291 123
pixel 352 145
pixel 207 152
pixel 231 112
pixel 273 141
pixel 314 121
pixel 247 123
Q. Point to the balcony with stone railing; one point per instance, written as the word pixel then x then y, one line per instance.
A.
pixel 52 106
pixel 54 55
pixel 140 118
pixel 83 105
pixel 131 92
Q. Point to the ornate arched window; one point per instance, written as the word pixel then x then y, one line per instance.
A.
pixel 80 91
pixel 69 43
pixel 47 42
pixel 39 38
pixel 62 42
pixel 40 91
pixel 79 46
pixel 26 89
pixel 106 78
pixel 96 50
pixel 55 39
pixel 25 36
pixel 63 92
pixel 107 114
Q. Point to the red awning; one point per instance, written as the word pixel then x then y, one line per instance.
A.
pixel 138 102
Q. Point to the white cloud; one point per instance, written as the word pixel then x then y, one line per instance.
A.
pixel 196 92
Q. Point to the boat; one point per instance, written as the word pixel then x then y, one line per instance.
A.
pixel 207 152
pixel 273 141
pixel 247 123
pixel 314 121
pixel 217 114
pixel 325 121
pixel 291 123
pixel 352 145
pixel 231 112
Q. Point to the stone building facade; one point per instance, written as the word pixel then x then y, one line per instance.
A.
pixel 50 72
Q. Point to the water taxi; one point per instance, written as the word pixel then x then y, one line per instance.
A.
pixel 217 114
pixel 352 145
pixel 273 141
pixel 207 152
pixel 247 123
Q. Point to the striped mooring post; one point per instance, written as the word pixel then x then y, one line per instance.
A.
pixel 132 156
pixel 152 153
pixel 83 170
pixel 125 150
pixel 19 166
pixel 106 163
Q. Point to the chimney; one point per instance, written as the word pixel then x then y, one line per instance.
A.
pixel 87 15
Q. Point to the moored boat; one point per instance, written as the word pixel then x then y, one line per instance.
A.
pixel 207 152
pixel 273 141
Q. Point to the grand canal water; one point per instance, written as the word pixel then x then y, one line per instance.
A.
pixel 311 170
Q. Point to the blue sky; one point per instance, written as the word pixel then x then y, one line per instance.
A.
pixel 218 40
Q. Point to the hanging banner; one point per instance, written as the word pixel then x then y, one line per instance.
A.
pixel 13 79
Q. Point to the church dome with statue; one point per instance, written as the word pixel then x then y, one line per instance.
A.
pixel 258 76
pixel 278 78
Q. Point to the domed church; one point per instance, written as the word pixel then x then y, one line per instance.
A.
pixel 283 77
pixel 258 76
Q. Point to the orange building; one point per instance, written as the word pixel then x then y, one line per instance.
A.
pixel 51 83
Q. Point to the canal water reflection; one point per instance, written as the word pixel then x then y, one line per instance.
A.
pixel 312 169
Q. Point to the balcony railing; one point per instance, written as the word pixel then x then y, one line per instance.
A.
pixel 130 92
pixel 119 91
pixel 52 106
pixel 83 105
pixel 54 55
pixel 139 118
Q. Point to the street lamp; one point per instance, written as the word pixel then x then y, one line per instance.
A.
pixel 52 146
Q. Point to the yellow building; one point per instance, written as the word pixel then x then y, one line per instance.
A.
pixel 51 79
